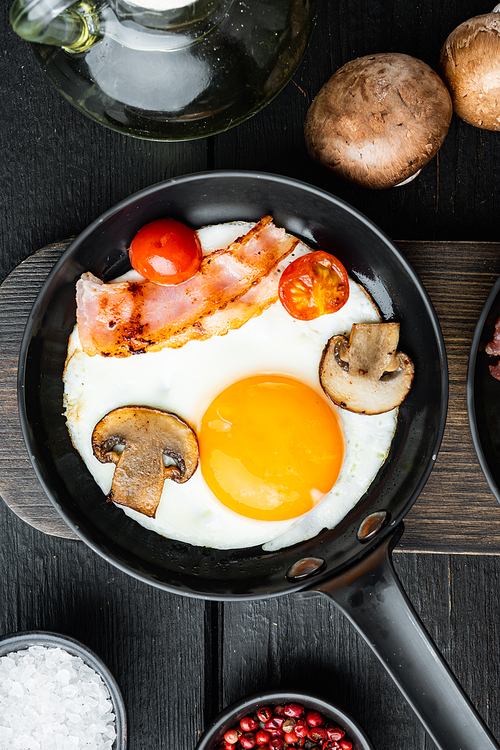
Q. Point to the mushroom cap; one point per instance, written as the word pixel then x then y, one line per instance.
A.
pixel 470 65
pixel 379 119
pixel 144 436
pixel 366 374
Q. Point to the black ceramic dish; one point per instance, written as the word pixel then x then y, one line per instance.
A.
pixel 212 736
pixel 351 563
pixel 483 393
pixel 22 641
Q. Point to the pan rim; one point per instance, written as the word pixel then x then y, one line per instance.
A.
pixel 471 389
pixel 314 191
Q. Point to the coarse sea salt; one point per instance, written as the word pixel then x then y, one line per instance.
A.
pixel 52 700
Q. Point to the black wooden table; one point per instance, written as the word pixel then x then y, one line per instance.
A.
pixel 179 660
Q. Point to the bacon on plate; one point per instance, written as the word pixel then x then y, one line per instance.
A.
pixel 131 317
pixel 234 315
pixel 493 348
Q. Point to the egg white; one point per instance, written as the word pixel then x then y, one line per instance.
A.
pixel 186 380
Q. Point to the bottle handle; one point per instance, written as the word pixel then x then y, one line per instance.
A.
pixel 51 22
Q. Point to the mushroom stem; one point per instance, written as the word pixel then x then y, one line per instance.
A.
pixel 405 182
pixel 136 439
pixel 366 374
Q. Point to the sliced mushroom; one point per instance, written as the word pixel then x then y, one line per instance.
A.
pixel 137 439
pixel 366 374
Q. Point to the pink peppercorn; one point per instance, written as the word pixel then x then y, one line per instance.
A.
pixel 247 740
pixel 314 719
pixel 285 727
pixel 301 728
pixel 331 745
pixel 232 736
pixel 334 733
pixel 317 734
pixel 293 709
pixel 248 724
pixel 262 737
pixel 275 723
pixel 264 713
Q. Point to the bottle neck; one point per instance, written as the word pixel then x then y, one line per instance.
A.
pixel 79 26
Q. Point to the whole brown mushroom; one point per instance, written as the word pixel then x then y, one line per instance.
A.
pixel 470 64
pixel 379 119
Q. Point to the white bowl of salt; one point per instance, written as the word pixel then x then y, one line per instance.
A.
pixel 56 694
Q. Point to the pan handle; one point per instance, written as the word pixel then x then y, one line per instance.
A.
pixel 371 596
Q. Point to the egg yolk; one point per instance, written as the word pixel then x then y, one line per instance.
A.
pixel 270 447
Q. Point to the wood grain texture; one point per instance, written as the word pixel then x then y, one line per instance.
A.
pixel 152 641
pixel 179 661
pixel 456 512
pixel 19 485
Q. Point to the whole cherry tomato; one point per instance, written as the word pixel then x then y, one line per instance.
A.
pixel 314 285
pixel 166 252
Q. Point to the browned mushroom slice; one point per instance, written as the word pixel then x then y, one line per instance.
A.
pixel 137 439
pixel 366 374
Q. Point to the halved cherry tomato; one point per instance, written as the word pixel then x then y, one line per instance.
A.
pixel 166 252
pixel 314 285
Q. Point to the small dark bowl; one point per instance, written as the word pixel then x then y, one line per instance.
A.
pixel 22 641
pixel 212 736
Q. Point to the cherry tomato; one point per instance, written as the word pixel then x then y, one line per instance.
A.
pixel 314 285
pixel 166 252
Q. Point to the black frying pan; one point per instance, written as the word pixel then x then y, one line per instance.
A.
pixel 351 564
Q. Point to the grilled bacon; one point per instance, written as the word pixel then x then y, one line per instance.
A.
pixel 127 318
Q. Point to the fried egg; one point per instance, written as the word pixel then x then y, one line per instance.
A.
pixel 254 399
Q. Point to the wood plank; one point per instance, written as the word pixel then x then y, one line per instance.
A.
pixel 456 512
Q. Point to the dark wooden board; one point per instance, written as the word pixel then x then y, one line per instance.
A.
pixel 456 512
pixel 19 485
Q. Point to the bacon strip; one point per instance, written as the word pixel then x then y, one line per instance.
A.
pixel 234 315
pixel 132 317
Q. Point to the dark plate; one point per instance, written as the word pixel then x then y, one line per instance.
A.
pixel 483 393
